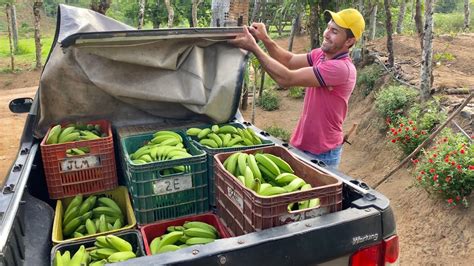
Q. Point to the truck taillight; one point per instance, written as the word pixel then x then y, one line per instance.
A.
pixel 385 253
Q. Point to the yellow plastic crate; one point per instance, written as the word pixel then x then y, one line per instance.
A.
pixel 119 195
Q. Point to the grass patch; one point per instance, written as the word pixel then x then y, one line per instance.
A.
pixel 279 132
pixel 269 101
pixel 368 76
pixel 26 50
pixel 296 92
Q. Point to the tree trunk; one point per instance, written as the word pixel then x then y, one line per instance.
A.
pixel 467 14
pixel 373 21
pixel 419 22
pixel 12 57
pixel 427 55
pixel 314 26
pixel 294 29
pixel 141 13
pixel 388 24
pixel 170 13
pixel 100 6
pixel 14 28
pixel 36 12
pixel 194 10
pixel 256 10
pixel 401 15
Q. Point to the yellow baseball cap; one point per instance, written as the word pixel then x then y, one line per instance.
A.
pixel 351 19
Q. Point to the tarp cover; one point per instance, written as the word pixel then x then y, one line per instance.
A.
pixel 136 81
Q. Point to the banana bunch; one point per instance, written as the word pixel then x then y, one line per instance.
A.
pixel 224 136
pixel 90 216
pixel 108 249
pixel 267 175
pixel 77 151
pixel 74 132
pixel 188 234
pixel 165 145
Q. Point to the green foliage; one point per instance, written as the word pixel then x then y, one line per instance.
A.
pixel 269 101
pixel 367 77
pixel 447 6
pixel 393 100
pixel 449 23
pixel 446 170
pixel 26 50
pixel 279 132
pixel 443 57
pixel 296 92
pixel 427 115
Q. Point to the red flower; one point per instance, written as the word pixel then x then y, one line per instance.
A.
pixel 450 201
pixel 400 130
pixel 432 170
pixel 407 128
pixel 453 163
pixel 414 128
pixel 435 177
pixel 435 155
pixel 419 178
pixel 458 198
pixel 402 125
pixel 410 122
pixel 462 151
pixel 448 179
pixel 422 172
pixel 407 137
pixel 394 140
pixel 434 147
pixel 393 129
pixel 471 167
pixel 458 166
pixel 430 160
pixel 445 139
pixel 395 133
pixel 416 136
pixel 423 132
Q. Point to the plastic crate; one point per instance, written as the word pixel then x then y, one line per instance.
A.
pixel 210 157
pixel 156 196
pixel 76 176
pixel 151 231
pixel 119 195
pixel 243 211
pixel 132 236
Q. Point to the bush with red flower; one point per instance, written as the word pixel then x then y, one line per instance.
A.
pixel 407 135
pixel 447 168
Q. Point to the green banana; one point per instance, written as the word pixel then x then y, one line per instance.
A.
pixel 64 132
pixel 204 133
pixel 104 253
pixel 77 258
pixel 198 240
pixel 215 128
pixel 75 202
pixel 82 229
pixel 268 163
pixel 227 129
pixel 282 164
pixel 77 234
pixel 66 257
pixel 73 213
pixel 304 204
pixel 90 227
pixel 102 224
pixel 53 135
pixel 202 225
pixel 117 224
pixel 121 256
pixel 141 151
pixel 58 259
pixel 226 139
pixel 101 242
pixel 168 248
pixel 118 243
pixel 209 143
pixel 199 232
pixel 295 185
pixel 263 186
pixel 193 131
pixel 70 227
pixel 249 178
pixel 216 139
pixel 271 191
pixel 252 163
pixel 242 162
pixel 285 178
pixel 232 163
pixel 98 263
pixel 108 211
pixel 154 245
pixel 234 141
pixel 168 132
pixel 73 136
pixel 108 202
pixel 161 138
pixel 170 238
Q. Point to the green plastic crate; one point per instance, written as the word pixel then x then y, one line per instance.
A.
pixel 158 197
pixel 210 157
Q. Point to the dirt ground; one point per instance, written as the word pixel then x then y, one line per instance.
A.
pixel 430 233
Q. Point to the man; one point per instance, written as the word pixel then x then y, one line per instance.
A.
pixel 327 72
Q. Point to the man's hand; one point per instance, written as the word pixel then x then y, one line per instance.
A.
pixel 259 31
pixel 245 41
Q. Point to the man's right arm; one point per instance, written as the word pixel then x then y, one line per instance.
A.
pixel 286 58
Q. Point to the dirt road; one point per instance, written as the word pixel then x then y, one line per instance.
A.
pixel 12 126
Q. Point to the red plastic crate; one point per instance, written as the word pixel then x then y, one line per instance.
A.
pixel 151 231
pixel 70 182
pixel 243 211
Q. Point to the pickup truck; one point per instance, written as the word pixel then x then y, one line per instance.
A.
pixel 101 68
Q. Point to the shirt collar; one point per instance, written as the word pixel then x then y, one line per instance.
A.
pixel 338 56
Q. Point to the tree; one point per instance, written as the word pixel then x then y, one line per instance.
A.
pixel 388 24
pixel 401 15
pixel 419 22
pixel 427 54
pixel 100 6
pixel 467 13
pixel 170 10
pixel 194 9
pixel 14 27
pixel 256 11
pixel 373 21
pixel 12 57
pixel 36 12
pixel 141 13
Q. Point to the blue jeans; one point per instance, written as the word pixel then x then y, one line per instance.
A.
pixel 331 158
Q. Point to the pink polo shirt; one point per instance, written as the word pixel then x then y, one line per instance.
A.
pixel 320 126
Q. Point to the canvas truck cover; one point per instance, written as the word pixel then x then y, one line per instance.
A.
pixel 100 68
